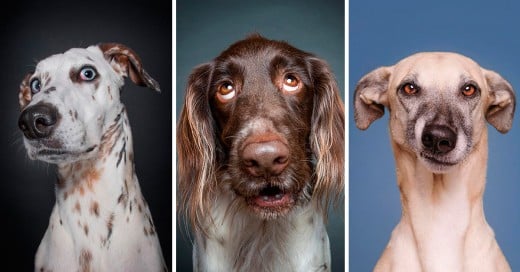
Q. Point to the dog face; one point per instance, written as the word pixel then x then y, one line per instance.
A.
pixel 270 121
pixel 438 104
pixel 71 99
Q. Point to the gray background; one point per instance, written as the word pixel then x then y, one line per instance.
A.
pixel 205 28
pixel 33 31
pixel 383 32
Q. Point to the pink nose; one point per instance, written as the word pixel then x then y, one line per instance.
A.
pixel 265 158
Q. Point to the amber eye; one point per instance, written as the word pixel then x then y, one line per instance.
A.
pixel 226 91
pixel 469 90
pixel 410 89
pixel 290 83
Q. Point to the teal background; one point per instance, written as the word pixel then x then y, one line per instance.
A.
pixel 205 28
pixel 380 34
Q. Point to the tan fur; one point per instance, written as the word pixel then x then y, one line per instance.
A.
pixel 443 227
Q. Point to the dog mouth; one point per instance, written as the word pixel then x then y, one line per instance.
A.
pixel 58 155
pixel 271 196
pixel 271 202
pixel 435 160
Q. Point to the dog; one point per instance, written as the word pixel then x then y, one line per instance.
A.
pixel 438 105
pixel 72 116
pixel 260 157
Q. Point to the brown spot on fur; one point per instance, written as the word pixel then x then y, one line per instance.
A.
pixel 110 225
pixel 145 231
pixel 94 209
pixel 93 98
pixel 85 229
pixel 139 208
pixel 81 190
pixel 91 176
pixel 77 207
pixel 85 258
pixel 65 195
pixel 110 93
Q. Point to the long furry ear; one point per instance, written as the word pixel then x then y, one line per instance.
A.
pixel 127 63
pixel 327 134
pixel 196 148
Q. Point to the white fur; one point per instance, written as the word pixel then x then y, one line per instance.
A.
pixel 100 221
pixel 242 242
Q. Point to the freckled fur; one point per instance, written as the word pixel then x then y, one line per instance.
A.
pixel 88 229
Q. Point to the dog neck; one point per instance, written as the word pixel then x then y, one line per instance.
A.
pixel 443 220
pixel 103 187
pixel 237 240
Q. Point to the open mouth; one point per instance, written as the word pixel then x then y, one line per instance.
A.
pixel 271 202
pixel 271 196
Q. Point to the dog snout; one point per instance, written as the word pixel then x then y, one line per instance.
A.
pixel 265 158
pixel 38 121
pixel 438 139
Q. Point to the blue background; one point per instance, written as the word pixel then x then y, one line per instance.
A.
pixel 380 34
pixel 206 28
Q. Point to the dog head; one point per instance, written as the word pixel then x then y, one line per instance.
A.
pixel 264 121
pixel 438 103
pixel 71 99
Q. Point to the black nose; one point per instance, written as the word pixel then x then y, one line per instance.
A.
pixel 38 121
pixel 265 158
pixel 438 139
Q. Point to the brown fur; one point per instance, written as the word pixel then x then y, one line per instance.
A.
pixel 207 128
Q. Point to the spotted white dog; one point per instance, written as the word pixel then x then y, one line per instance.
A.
pixel 72 116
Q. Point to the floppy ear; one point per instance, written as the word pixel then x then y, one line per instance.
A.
pixel 196 148
pixel 327 134
pixel 370 97
pixel 127 63
pixel 25 95
pixel 501 108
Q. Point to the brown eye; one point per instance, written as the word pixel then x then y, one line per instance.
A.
pixel 226 92
pixel 469 90
pixel 290 83
pixel 410 89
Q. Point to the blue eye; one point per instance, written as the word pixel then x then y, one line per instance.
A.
pixel 87 73
pixel 35 85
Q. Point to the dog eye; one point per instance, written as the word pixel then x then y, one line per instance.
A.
pixel 87 73
pixel 35 85
pixel 226 92
pixel 290 83
pixel 469 90
pixel 410 89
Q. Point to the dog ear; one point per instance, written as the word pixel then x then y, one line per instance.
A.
pixel 501 108
pixel 370 97
pixel 327 134
pixel 127 63
pixel 25 94
pixel 196 148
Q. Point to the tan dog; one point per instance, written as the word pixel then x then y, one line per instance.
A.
pixel 439 104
